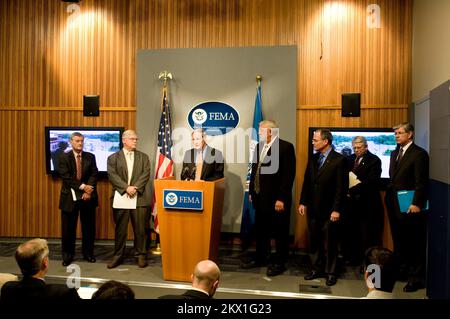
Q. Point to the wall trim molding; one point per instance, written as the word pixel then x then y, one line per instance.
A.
pixel 66 108
pixel 338 107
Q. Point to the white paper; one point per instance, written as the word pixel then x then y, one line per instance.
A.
pixel 86 292
pixel 352 180
pixel 74 196
pixel 124 201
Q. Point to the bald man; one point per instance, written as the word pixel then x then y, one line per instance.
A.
pixel 205 280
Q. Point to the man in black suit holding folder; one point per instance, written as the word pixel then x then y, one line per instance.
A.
pixel 409 170
pixel 78 170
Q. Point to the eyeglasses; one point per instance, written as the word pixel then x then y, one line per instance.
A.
pixel 400 133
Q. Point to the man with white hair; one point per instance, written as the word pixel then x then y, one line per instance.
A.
pixel 270 191
pixel 129 173
pixel 32 258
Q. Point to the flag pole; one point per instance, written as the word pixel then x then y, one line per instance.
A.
pixel 165 76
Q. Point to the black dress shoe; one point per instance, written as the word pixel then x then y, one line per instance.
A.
pixel 116 261
pixel 313 275
pixel 66 262
pixel 252 264
pixel 413 286
pixel 90 259
pixel 331 280
pixel 275 270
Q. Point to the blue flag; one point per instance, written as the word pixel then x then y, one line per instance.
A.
pixel 248 212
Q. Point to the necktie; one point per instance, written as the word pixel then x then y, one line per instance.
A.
pixel 321 158
pixel 199 166
pixel 258 168
pixel 400 155
pixel 356 164
pixel 78 161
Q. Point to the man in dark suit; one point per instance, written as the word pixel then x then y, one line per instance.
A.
pixel 207 167
pixel 78 170
pixel 324 190
pixel 409 170
pixel 270 191
pixel 32 258
pixel 129 174
pixel 364 220
pixel 205 280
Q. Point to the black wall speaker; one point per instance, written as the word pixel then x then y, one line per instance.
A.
pixel 91 105
pixel 351 104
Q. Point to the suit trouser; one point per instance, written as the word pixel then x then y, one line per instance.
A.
pixel 69 222
pixel 409 234
pixel 323 244
pixel 139 219
pixel 271 224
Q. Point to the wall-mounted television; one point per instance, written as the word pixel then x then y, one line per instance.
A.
pixel 380 141
pixel 101 141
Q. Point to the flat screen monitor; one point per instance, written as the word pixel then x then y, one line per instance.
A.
pixel 101 141
pixel 380 141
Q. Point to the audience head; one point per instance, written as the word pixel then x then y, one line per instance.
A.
pixel 113 290
pixel 32 257
pixel 384 259
pixel 206 276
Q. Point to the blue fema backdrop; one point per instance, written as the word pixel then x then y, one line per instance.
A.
pixel 182 199
pixel 217 118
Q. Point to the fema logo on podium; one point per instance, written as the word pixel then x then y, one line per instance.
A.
pixel 183 199
pixel 216 118
pixel 171 198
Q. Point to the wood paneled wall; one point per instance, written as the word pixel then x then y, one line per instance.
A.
pixel 50 57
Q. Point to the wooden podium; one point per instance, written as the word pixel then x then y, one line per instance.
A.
pixel 188 236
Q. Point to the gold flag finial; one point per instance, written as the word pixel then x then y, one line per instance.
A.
pixel 165 76
pixel 258 79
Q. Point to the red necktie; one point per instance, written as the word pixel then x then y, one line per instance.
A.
pixel 78 167
pixel 356 164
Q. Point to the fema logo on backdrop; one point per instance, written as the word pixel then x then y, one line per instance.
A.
pixel 216 118
pixel 171 199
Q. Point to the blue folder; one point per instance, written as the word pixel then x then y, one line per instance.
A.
pixel 405 199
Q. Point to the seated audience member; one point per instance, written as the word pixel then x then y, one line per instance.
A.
pixel 4 278
pixel 381 287
pixel 113 290
pixel 205 281
pixel 32 258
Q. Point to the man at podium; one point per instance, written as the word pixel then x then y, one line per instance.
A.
pixel 202 162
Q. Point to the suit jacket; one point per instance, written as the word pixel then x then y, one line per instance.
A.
pixel 366 195
pixel 325 190
pixel 212 168
pixel 411 173
pixel 277 172
pixel 189 294
pixel 118 176
pixel 32 288
pixel 67 170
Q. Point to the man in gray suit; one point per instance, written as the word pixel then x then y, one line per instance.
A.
pixel 129 174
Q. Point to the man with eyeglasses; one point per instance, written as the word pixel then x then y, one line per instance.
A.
pixel 409 171
pixel 129 174
pixel 364 218
pixel 203 162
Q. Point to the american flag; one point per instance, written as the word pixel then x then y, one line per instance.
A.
pixel 164 163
